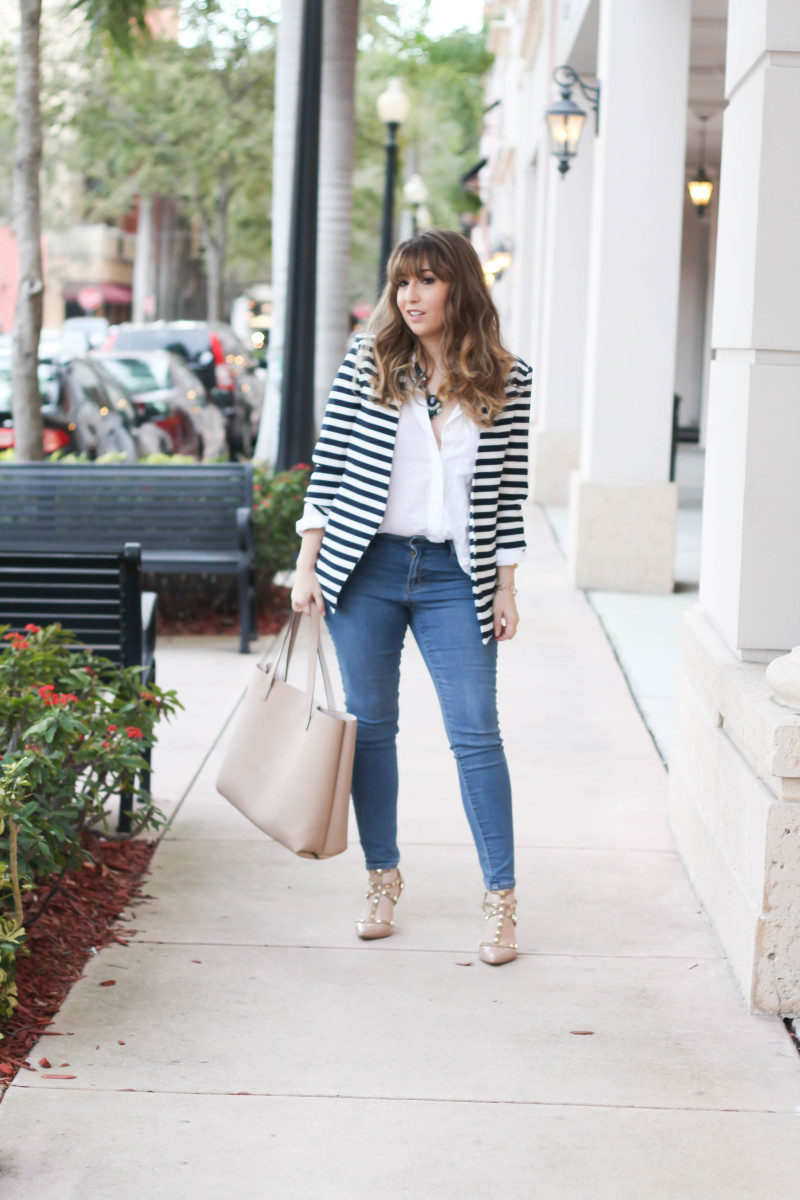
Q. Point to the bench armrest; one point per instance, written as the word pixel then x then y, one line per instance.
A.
pixel 244 524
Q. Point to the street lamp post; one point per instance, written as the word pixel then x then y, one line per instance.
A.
pixel 415 193
pixel 296 432
pixel 393 106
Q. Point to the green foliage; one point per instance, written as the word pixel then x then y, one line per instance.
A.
pixel 120 21
pixel 277 505
pixel 443 77
pixel 73 727
pixel 190 120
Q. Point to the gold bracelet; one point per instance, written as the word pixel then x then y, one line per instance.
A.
pixel 501 587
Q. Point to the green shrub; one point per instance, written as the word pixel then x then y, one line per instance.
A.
pixel 73 727
pixel 277 505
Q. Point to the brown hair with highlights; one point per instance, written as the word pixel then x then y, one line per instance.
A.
pixel 474 360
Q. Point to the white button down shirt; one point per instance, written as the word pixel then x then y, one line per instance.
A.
pixel 429 487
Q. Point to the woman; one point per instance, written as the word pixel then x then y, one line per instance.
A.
pixel 412 517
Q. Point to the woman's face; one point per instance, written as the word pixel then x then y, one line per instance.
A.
pixel 421 301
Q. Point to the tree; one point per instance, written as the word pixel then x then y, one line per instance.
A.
pixel 121 21
pixel 192 121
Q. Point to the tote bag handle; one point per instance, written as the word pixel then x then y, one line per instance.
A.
pixel 315 653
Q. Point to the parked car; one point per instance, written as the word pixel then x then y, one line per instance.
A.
pixel 93 331
pixel 230 375
pixel 166 391
pixel 83 411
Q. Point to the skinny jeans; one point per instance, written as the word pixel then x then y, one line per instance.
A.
pixel 402 581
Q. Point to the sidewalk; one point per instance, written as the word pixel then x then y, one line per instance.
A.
pixel 254 1048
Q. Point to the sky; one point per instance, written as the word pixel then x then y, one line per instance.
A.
pixel 447 15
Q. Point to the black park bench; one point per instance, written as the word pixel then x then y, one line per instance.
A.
pixel 190 519
pixel 98 597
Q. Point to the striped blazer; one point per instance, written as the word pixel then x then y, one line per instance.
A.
pixel 352 462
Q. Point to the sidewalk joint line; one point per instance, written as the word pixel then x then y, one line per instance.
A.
pixel 349 1096
pixel 145 941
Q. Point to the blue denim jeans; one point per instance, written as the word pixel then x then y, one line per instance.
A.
pixel 402 581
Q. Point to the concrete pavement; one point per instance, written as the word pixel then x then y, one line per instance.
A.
pixel 253 1047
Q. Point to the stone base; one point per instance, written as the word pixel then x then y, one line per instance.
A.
pixel 734 806
pixel 555 454
pixel 622 535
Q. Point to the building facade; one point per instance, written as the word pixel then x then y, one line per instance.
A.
pixel 624 296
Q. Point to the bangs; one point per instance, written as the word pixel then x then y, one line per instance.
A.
pixel 411 259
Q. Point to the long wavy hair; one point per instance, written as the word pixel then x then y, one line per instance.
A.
pixel 474 361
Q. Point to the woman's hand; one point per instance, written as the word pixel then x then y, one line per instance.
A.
pixel 506 617
pixel 306 591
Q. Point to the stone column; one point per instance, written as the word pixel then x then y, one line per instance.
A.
pixel 735 769
pixel 623 510
pixel 556 439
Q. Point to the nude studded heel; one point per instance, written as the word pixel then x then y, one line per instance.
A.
pixel 500 909
pixel 377 919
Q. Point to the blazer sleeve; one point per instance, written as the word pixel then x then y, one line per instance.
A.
pixel 513 487
pixel 330 452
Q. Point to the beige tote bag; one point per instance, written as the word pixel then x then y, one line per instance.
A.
pixel 288 764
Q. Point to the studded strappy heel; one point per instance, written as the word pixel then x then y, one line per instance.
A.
pixel 500 909
pixel 377 919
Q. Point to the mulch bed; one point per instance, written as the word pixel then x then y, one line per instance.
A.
pixel 213 608
pixel 81 917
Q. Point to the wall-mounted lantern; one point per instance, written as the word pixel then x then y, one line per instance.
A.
pixel 499 262
pixel 565 119
pixel 700 186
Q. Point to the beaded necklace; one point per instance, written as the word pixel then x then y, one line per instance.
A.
pixel 434 404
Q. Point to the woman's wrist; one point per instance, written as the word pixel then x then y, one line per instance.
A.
pixel 309 549
pixel 504 584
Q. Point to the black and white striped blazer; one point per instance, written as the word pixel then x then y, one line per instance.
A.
pixel 352 462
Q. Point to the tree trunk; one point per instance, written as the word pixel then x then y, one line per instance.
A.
pixel 144 262
pixel 27 404
pixel 340 31
pixel 287 68
pixel 215 252
pixel 335 194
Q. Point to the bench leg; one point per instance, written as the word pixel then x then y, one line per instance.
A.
pixel 244 612
pixel 125 806
pixel 253 609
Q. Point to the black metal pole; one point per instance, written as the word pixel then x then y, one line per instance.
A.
pixel 296 434
pixel 387 235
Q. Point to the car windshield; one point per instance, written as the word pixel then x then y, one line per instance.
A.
pixel 188 342
pixel 139 374
pixel 47 380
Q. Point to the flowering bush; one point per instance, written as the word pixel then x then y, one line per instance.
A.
pixel 73 727
pixel 277 504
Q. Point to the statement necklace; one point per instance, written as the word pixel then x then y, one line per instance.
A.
pixel 433 402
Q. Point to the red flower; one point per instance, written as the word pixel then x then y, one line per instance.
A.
pixel 33 629
pixel 46 688
pixel 106 745
pixel 133 732
pixel 17 640
pixel 88 670
pixel 147 696
pixel 112 729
